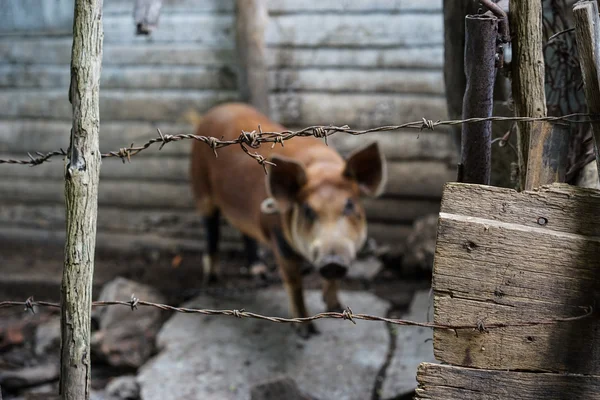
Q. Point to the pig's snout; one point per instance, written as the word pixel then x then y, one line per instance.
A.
pixel 332 267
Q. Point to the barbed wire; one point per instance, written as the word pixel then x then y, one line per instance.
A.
pixel 347 314
pixel 254 139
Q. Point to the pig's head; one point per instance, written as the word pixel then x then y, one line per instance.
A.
pixel 320 205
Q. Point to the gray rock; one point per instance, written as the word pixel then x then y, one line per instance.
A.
pixel 123 388
pixel 276 389
pixel 365 268
pixel 47 337
pixel 29 376
pixel 420 244
pixel 126 338
pixel 220 357
pixel 413 346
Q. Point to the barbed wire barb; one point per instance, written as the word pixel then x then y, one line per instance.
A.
pixel 254 139
pixel 347 314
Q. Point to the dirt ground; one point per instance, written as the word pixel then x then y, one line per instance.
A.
pixel 29 347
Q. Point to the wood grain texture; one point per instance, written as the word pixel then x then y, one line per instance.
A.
pixel 130 77
pixel 357 111
pixel 527 71
pixel 548 153
pixel 51 51
pixel 445 382
pixel 587 24
pixel 150 181
pixel 251 19
pixel 358 80
pixel 81 176
pixel 386 29
pixel 528 258
pixel 115 104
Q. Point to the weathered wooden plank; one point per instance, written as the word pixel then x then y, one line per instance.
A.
pixel 21 136
pixel 575 214
pixel 114 104
pixel 357 111
pixel 350 80
pixel 391 6
pixel 356 30
pixel 418 57
pixel 155 77
pixel 287 6
pixel 206 78
pixel 35 17
pixel 489 268
pixel 143 184
pixel 217 30
pixel 17 137
pixel 57 51
pixel 443 382
pixel 397 146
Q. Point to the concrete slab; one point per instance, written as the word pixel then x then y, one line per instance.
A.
pixel 414 345
pixel 219 357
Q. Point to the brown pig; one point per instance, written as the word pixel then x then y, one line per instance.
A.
pixel 307 208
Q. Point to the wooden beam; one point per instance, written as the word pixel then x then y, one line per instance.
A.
pixel 442 382
pixel 508 257
pixel 480 70
pixel 527 72
pixel 251 22
pixel 548 154
pixel 587 29
pixel 82 173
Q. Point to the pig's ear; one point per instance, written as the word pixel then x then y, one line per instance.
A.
pixel 367 166
pixel 284 181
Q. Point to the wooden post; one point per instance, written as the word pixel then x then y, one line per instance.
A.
pixel 145 15
pixel 455 82
pixel 253 77
pixel 82 171
pixel 587 31
pixel 480 70
pixel 527 72
pixel 548 154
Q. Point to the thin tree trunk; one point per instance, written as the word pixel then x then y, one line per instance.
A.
pixel 527 72
pixel 82 173
pixel 251 22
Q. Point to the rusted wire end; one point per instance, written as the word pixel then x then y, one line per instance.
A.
pixel 212 142
pixel 237 313
pixel 428 124
pixel 124 153
pixel 347 314
pixel 278 139
pixel 320 133
pixel 262 161
pixel 29 304
pixel 133 303
pixel 165 139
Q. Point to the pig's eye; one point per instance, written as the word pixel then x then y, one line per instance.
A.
pixel 308 212
pixel 349 207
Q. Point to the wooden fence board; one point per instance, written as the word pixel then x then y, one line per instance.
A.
pixel 357 110
pixel 387 29
pixel 445 382
pixel 138 77
pixel 493 265
pixel 156 180
pixel 350 80
pixel 49 51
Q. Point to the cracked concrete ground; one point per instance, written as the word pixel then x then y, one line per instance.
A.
pixel 222 358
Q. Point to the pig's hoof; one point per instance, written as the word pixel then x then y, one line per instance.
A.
pixel 306 330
